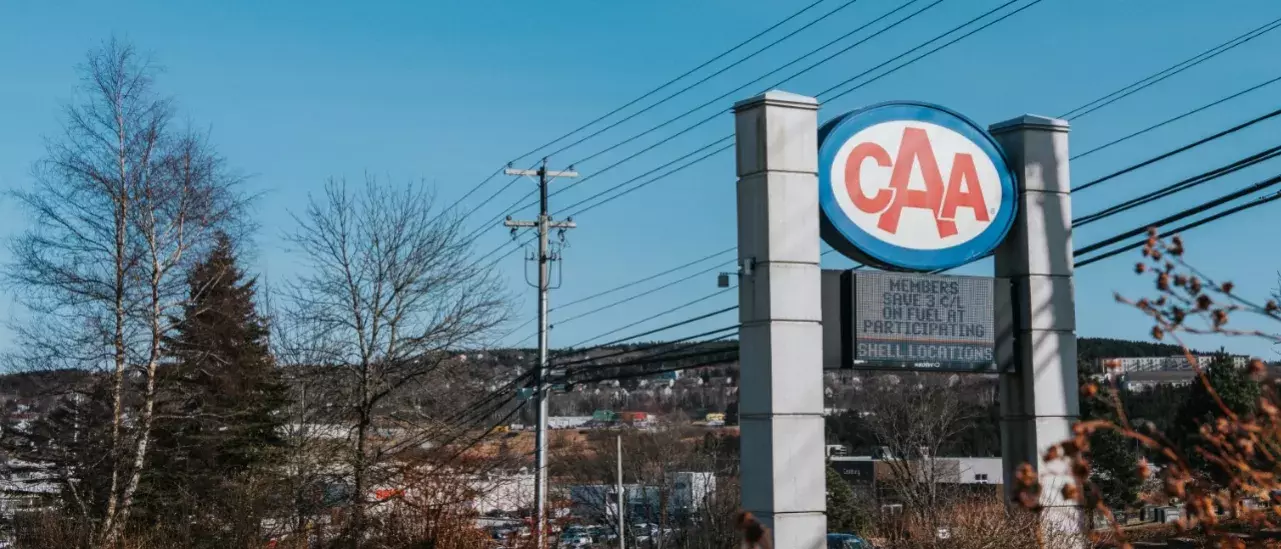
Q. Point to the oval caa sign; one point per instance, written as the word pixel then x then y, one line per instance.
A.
pixel 912 186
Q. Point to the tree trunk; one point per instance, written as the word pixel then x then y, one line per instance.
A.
pixel 118 337
pixel 358 508
pixel 112 533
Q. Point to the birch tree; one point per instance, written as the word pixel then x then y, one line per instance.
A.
pixel 118 209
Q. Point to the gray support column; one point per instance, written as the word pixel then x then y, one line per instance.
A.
pixel 1037 347
pixel 781 339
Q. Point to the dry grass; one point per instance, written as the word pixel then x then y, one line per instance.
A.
pixel 988 524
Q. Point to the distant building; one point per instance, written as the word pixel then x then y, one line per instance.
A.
pixel 1161 363
pixel 1144 373
pixel 866 470
pixel 684 492
pixel 879 479
pixel 568 422
pixel 690 489
pixel 27 487
pixel 506 493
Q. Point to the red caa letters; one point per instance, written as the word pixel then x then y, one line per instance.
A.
pixel 962 189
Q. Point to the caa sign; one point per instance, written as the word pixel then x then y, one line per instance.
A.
pixel 912 187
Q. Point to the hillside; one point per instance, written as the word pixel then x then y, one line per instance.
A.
pixel 693 392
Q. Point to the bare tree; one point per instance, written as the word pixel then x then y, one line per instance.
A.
pixel 912 418
pixel 391 292
pixel 119 205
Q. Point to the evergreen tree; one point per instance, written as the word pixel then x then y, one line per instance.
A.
pixel 1114 457
pixel 1115 470
pixel 219 421
pixel 842 510
pixel 64 446
pixel 1239 393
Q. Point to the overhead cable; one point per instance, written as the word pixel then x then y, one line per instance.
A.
pixel 1179 186
pixel 1177 68
pixel 1185 228
pixel 1179 150
pixel 1173 119
pixel 1180 215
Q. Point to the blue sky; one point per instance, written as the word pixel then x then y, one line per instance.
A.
pixel 448 92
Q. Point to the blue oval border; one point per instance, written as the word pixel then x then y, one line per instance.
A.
pixel 844 235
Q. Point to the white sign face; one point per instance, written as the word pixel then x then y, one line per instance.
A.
pixel 911 186
pixel 916 185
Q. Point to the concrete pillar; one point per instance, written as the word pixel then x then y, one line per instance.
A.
pixel 781 339
pixel 1036 348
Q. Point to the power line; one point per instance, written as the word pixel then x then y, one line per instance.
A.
pixel 529 373
pixel 498 249
pixel 1179 150
pixel 678 78
pixel 571 350
pixel 931 52
pixel 656 178
pixel 896 68
pixel 505 419
pixel 646 279
pixel 1185 213
pixel 645 348
pixel 969 34
pixel 510 209
pixel 645 293
pixel 643 97
pixel 1179 186
pixel 1184 228
pixel 662 328
pixel 668 354
pixel 721 97
pixel 700 82
pixel 634 283
pixel 1170 71
pixel 669 97
pixel 713 362
pixel 681 323
pixel 474 188
pixel 714 116
pixel 492 197
pixel 474 407
pixel 717 115
pixel 987 25
pixel 1084 250
pixel 1176 118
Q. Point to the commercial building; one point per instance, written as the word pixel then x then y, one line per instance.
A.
pixel 1161 363
pixel 869 470
pixel 881 478
pixel 681 494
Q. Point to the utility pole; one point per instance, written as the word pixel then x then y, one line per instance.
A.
pixel 622 524
pixel 544 224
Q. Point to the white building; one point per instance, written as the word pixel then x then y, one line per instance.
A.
pixel 1161 363
pixel 568 422
pixel 684 492
pixel 978 470
pixel 690 489
pixel 506 493
pixel 947 470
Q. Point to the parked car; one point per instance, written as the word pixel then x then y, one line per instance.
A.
pixel 575 539
pixel 846 541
